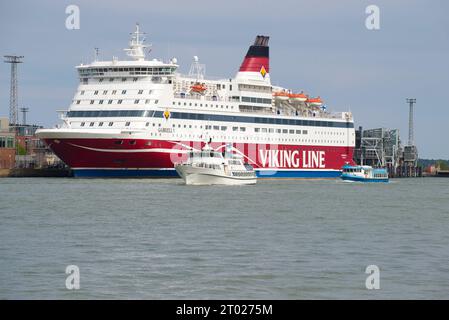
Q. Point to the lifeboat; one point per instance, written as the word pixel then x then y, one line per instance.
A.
pixel 281 96
pixel 316 102
pixel 198 88
pixel 300 97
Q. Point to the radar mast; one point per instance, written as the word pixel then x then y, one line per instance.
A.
pixel 136 46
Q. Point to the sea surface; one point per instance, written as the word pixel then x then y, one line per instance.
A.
pixel 280 239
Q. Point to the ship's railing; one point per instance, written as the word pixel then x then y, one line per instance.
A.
pixel 197 97
pixel 266 110
pixel 316 114
pixel 312 114
pixel 184 76
pixel 126 71
pixel 207 97
pixel 336 115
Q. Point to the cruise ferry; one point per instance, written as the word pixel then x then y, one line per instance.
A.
pixel 137 117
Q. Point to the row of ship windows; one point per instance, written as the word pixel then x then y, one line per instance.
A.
pixel 136 70
pixel 291 131
pixel 148 143
pixel 136 101
pixel 105 92
pixel 222 137
pixel 211 86
pixel 276 139
pixel 208 117
pixel 119 101
pixel 256 100
pixel 190 104
pixel 147 101
pixel 217 128
pixel 258 130
pixel 127 124
pixel 222 128
pixel 155 79
pixel 85 80
pixel 248 87
pixel 243 129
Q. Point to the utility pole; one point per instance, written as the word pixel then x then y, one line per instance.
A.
pixel 13 96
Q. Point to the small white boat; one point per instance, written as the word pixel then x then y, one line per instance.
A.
pixel 209 167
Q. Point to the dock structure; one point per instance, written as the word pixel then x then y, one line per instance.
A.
pixel 382 147
pixel 377 147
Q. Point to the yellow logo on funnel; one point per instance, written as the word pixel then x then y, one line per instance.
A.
pixel 263 72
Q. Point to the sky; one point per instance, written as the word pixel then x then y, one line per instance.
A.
pixel 321 47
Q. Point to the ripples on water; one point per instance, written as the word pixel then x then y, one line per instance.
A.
pixel 159 239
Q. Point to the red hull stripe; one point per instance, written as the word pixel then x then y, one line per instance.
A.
pixel 160 154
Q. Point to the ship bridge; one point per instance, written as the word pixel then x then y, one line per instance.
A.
pixel 126 69
pixel 136 67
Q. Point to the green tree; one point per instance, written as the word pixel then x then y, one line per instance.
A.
pixel 442 165
pixel 21 150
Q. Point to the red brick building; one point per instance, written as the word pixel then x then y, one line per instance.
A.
pixel 7 145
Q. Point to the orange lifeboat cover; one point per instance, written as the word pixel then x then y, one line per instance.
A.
pixel 314 100
pixel 281 94
pixel 298 95
pixel 198 87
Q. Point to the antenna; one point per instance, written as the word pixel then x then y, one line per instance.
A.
pixel 96 53
pixel 136 46
pixel 411 138
pixel 13 95
pixel 197 69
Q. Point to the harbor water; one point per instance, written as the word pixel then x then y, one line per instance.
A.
pixel 279 239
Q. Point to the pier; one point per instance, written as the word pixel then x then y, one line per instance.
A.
pixel 443 173
pixel 36 173
pixel 405 171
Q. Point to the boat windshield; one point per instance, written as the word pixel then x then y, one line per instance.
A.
pixel 234 162
pixel 352 170
pixel 205 154
pixel 248 167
